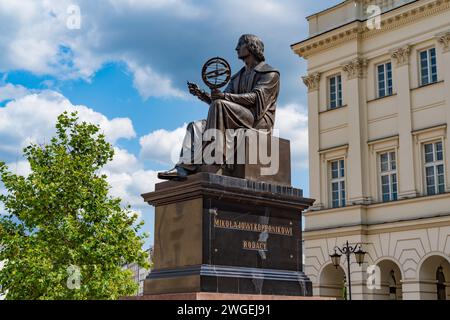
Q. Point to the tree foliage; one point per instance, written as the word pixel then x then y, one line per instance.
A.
pixel 59 220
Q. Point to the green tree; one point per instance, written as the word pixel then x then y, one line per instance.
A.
pixel 60 225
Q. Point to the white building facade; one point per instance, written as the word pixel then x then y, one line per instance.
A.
pixel 379 147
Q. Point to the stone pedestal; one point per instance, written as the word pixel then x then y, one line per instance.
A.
pixel 275 169
pixel 221 234
pixel 191 296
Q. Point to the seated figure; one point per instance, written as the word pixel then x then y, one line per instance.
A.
pixel 248 102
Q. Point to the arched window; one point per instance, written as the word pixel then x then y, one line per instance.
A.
pixel 440 278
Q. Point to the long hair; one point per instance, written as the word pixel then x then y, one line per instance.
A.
pixel 254 45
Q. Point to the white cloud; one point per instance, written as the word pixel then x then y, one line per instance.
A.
pixel 36 39
pixel 162 145
pixel 150 84
pixel 123 161
pixel 164 42
pixel 128 179
pixel 31 118
pixel 292 123
pixel 180 8
pixel 31 36
pixel 10 91
pixel 20 167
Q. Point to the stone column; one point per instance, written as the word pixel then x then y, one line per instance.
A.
pixel 410 290
pixel 312 82
pixel 406 177
pixel 358 282
pixel 444 41
pixel 355 98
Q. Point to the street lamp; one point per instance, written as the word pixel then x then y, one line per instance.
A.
pixel 348 250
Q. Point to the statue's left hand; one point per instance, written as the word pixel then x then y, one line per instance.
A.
pixel 216 94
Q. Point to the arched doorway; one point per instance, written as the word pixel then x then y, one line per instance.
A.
pixel 333 282
pixel 390 282
pixel 434 277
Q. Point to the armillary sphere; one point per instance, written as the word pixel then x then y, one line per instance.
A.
pixel 216 73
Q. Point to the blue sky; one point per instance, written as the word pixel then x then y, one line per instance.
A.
pixel 126 68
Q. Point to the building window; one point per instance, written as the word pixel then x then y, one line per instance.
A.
pixel 388 174
pixel 337 183
pixel 384 79
pixel 434 168
pixel 335 91
pixel 428 67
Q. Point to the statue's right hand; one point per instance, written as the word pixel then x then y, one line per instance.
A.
pixel 193 89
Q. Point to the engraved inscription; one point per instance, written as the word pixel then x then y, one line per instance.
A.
pixel 254 245
pixel 252 227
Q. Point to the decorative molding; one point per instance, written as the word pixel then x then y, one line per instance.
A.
pixel 356 68
pixel 410 16
pixel 333 153
pixel 433 128
pixel 315 46
pixel 401 55
pixel 341 147
pixel 427 85
pixel 430 106
pixel 444 41
pixel 312 81
pixel 389 116
pixel 384 139
pixel 341 126
pixel 358 28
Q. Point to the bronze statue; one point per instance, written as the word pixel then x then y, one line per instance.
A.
pixel 248 102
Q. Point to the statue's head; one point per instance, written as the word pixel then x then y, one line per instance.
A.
pixel 250 44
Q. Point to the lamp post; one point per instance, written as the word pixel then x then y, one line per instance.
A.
pixel 348 250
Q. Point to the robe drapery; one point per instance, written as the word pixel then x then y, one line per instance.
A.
pixel 249 103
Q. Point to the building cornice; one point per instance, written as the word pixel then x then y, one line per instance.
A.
pixel 377 228
pixel 358 28
pixel 327 40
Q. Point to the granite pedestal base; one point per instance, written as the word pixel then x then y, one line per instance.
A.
pixel 192 296
pixel 222 234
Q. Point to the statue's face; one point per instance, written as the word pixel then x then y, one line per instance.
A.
pixel 242 49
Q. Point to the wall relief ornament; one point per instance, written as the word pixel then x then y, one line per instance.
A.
pixel 401 55
pixel 355 68
pixel 312 81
